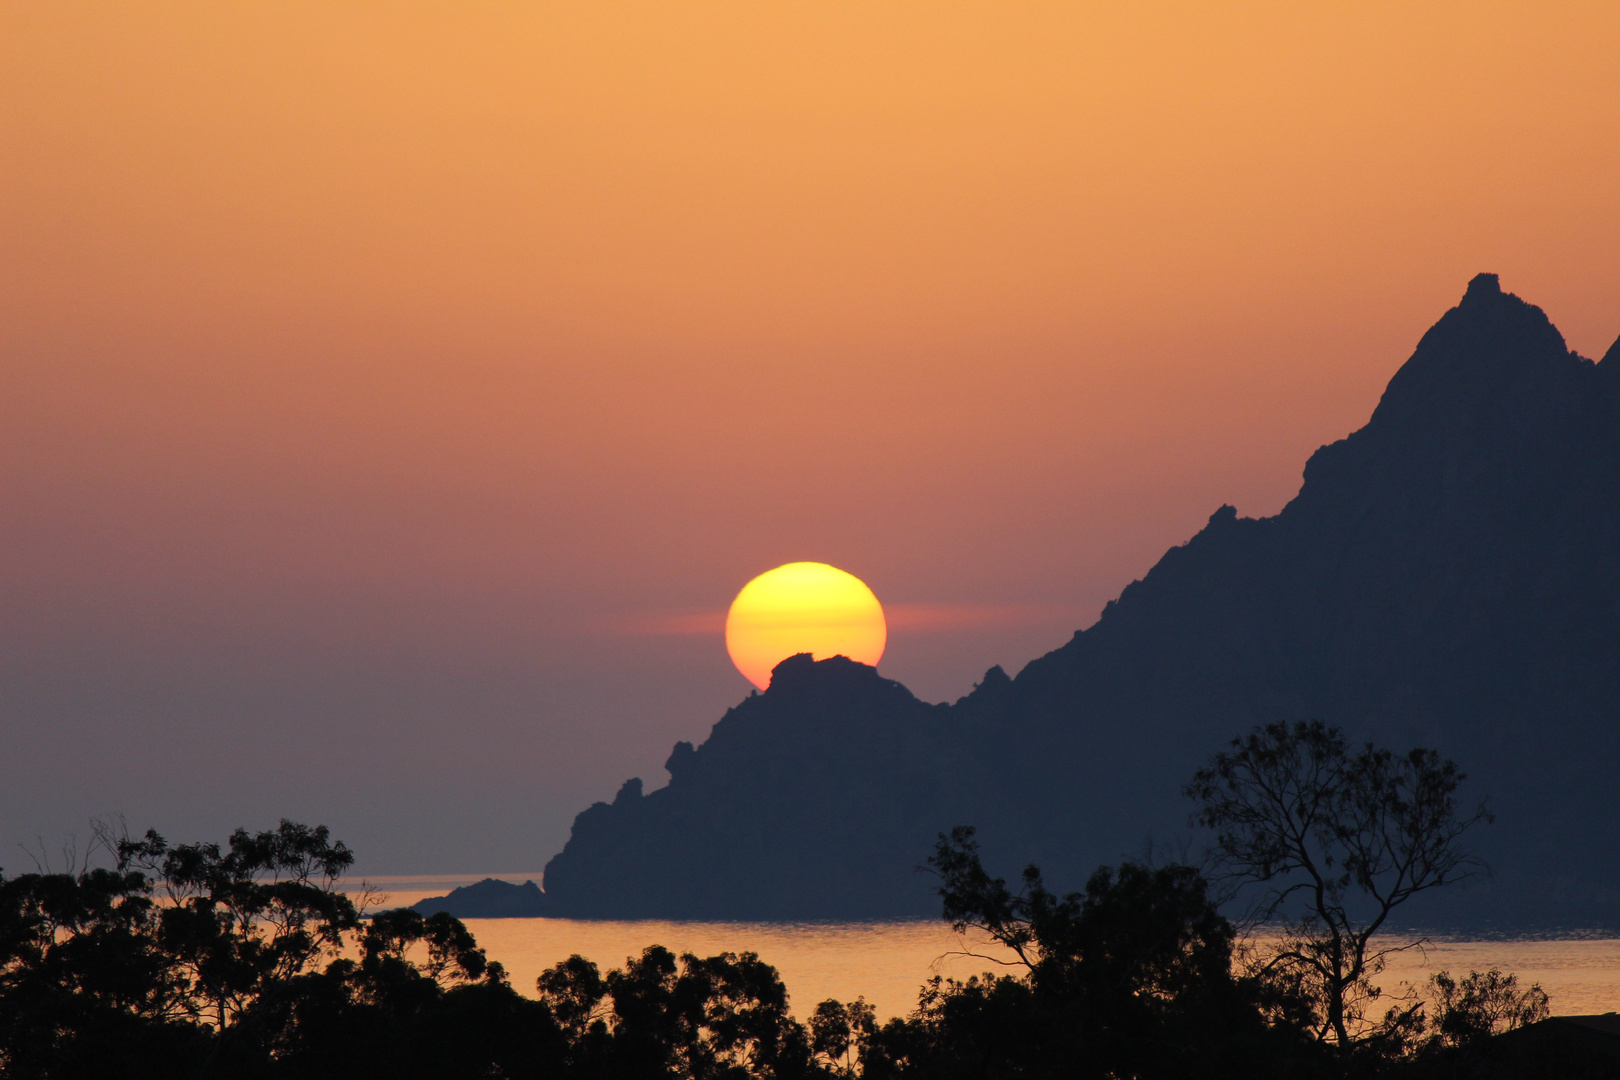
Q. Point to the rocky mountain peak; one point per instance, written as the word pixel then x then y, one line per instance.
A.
pixel 1446 578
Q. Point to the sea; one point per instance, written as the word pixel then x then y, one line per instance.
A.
pixel 887 963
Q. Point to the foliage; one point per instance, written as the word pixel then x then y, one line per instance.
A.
pixel 85 986
pixel 247 921
pixel 248 961
pixel 1337 840
pixel 1132 977
pixel 839 1033
pixel 723 1017
pixel 1469 1012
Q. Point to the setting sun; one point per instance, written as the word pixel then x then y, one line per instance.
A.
pixel 803 607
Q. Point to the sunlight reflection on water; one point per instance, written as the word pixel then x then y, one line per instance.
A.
pixel 887 962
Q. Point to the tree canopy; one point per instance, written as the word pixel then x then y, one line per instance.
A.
pixel 1334 840
pixel 249 959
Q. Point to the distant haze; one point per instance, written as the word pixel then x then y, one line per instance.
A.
pixel 388 392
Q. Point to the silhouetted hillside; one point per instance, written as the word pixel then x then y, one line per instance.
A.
pixel 815 798
pixel 487 899
pixel 1448 575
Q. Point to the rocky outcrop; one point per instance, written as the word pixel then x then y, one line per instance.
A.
pixel 488 899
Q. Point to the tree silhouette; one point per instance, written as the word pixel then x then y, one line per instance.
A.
pixel 85 987
pixel 839 1033
pixel 249 961
pixel 1336 840
pixel 242 961
pixel 722 1017
pixel 247 919
pixel 1132 977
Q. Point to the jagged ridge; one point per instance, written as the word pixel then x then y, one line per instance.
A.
pixel 1447 575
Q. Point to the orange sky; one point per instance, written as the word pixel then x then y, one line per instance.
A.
pixel 376 370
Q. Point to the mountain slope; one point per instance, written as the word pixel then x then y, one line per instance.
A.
pixel 1448 575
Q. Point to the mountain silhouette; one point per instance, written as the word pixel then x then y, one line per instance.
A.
pixel 1448 576
pixel 487 899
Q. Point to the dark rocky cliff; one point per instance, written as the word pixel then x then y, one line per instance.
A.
pixel 798 805
pixel 1448 575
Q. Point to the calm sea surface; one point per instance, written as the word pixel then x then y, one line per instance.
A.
pixel 886 962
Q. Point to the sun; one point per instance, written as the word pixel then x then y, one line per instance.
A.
pixel 803 607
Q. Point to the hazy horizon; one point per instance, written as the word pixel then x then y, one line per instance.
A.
pixel 393 404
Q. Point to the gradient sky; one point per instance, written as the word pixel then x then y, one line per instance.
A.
pixel 393 396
